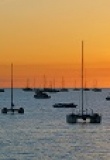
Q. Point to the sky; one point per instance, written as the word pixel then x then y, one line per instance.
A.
pixel 43 37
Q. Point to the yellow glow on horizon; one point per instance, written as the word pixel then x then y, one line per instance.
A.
pixel 49 33
pixel 35 74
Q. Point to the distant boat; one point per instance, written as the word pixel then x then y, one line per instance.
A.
pixel 86 89
pixel 28 89
pixel 2 90
pixel 12 109
pixel 64 105
pixel 63 89
pixel 41 95
pixel 108 97
pixel 73 117
pixel 96 89
pixel 76 89
pixel 51 90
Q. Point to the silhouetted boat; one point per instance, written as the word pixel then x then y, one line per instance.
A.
pixel 64 105
pixel 73 117
pixel 12 109
pixel 2 90
pixel 41 95
pixel 86 89
pixel 51 90
pixel 63 89
pixel 76 89
pixel 108 97
pixel 97 89
pixel 85 86
pixel 28 89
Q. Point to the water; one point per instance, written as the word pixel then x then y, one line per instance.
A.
pixel 43 134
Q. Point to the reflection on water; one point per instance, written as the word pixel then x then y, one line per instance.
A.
pixel 42 132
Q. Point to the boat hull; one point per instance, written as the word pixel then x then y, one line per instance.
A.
pixel 73 118
pixel 64 105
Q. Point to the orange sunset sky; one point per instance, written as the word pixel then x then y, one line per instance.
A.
pixel 43 37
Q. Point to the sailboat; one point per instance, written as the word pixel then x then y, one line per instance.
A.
pixel 63 89
pixel 85 88
pixel 12 109
pixel 50 89
pixel 27 88
pixel 76 89
pixel 93 117
pixel 95 89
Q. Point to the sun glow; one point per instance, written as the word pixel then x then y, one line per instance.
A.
pixel 44 38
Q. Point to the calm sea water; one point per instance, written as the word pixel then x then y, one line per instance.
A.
pixel 43 134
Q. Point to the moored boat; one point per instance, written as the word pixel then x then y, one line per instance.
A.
pixel 5 110
pixel 41 95
pixel 108 97
pixel 2 90
pixel 74 117
pixel 64 105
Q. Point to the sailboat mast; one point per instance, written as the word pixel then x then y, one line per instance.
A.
pixel 82 76
pixel 27 83
pixel 54 83
pixel 34 83
pixel 12 86
pixel 44 81
pixel 62 82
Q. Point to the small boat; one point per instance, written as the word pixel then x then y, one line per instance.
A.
pixel 41 95
pixel 63 89
pixel 76 89
pixel 108 97
pixel 86 89
pixel 28 89
pixel 64 105
pixel 2 90
pixel 51 90
pixel 97 89
pixel 12 109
